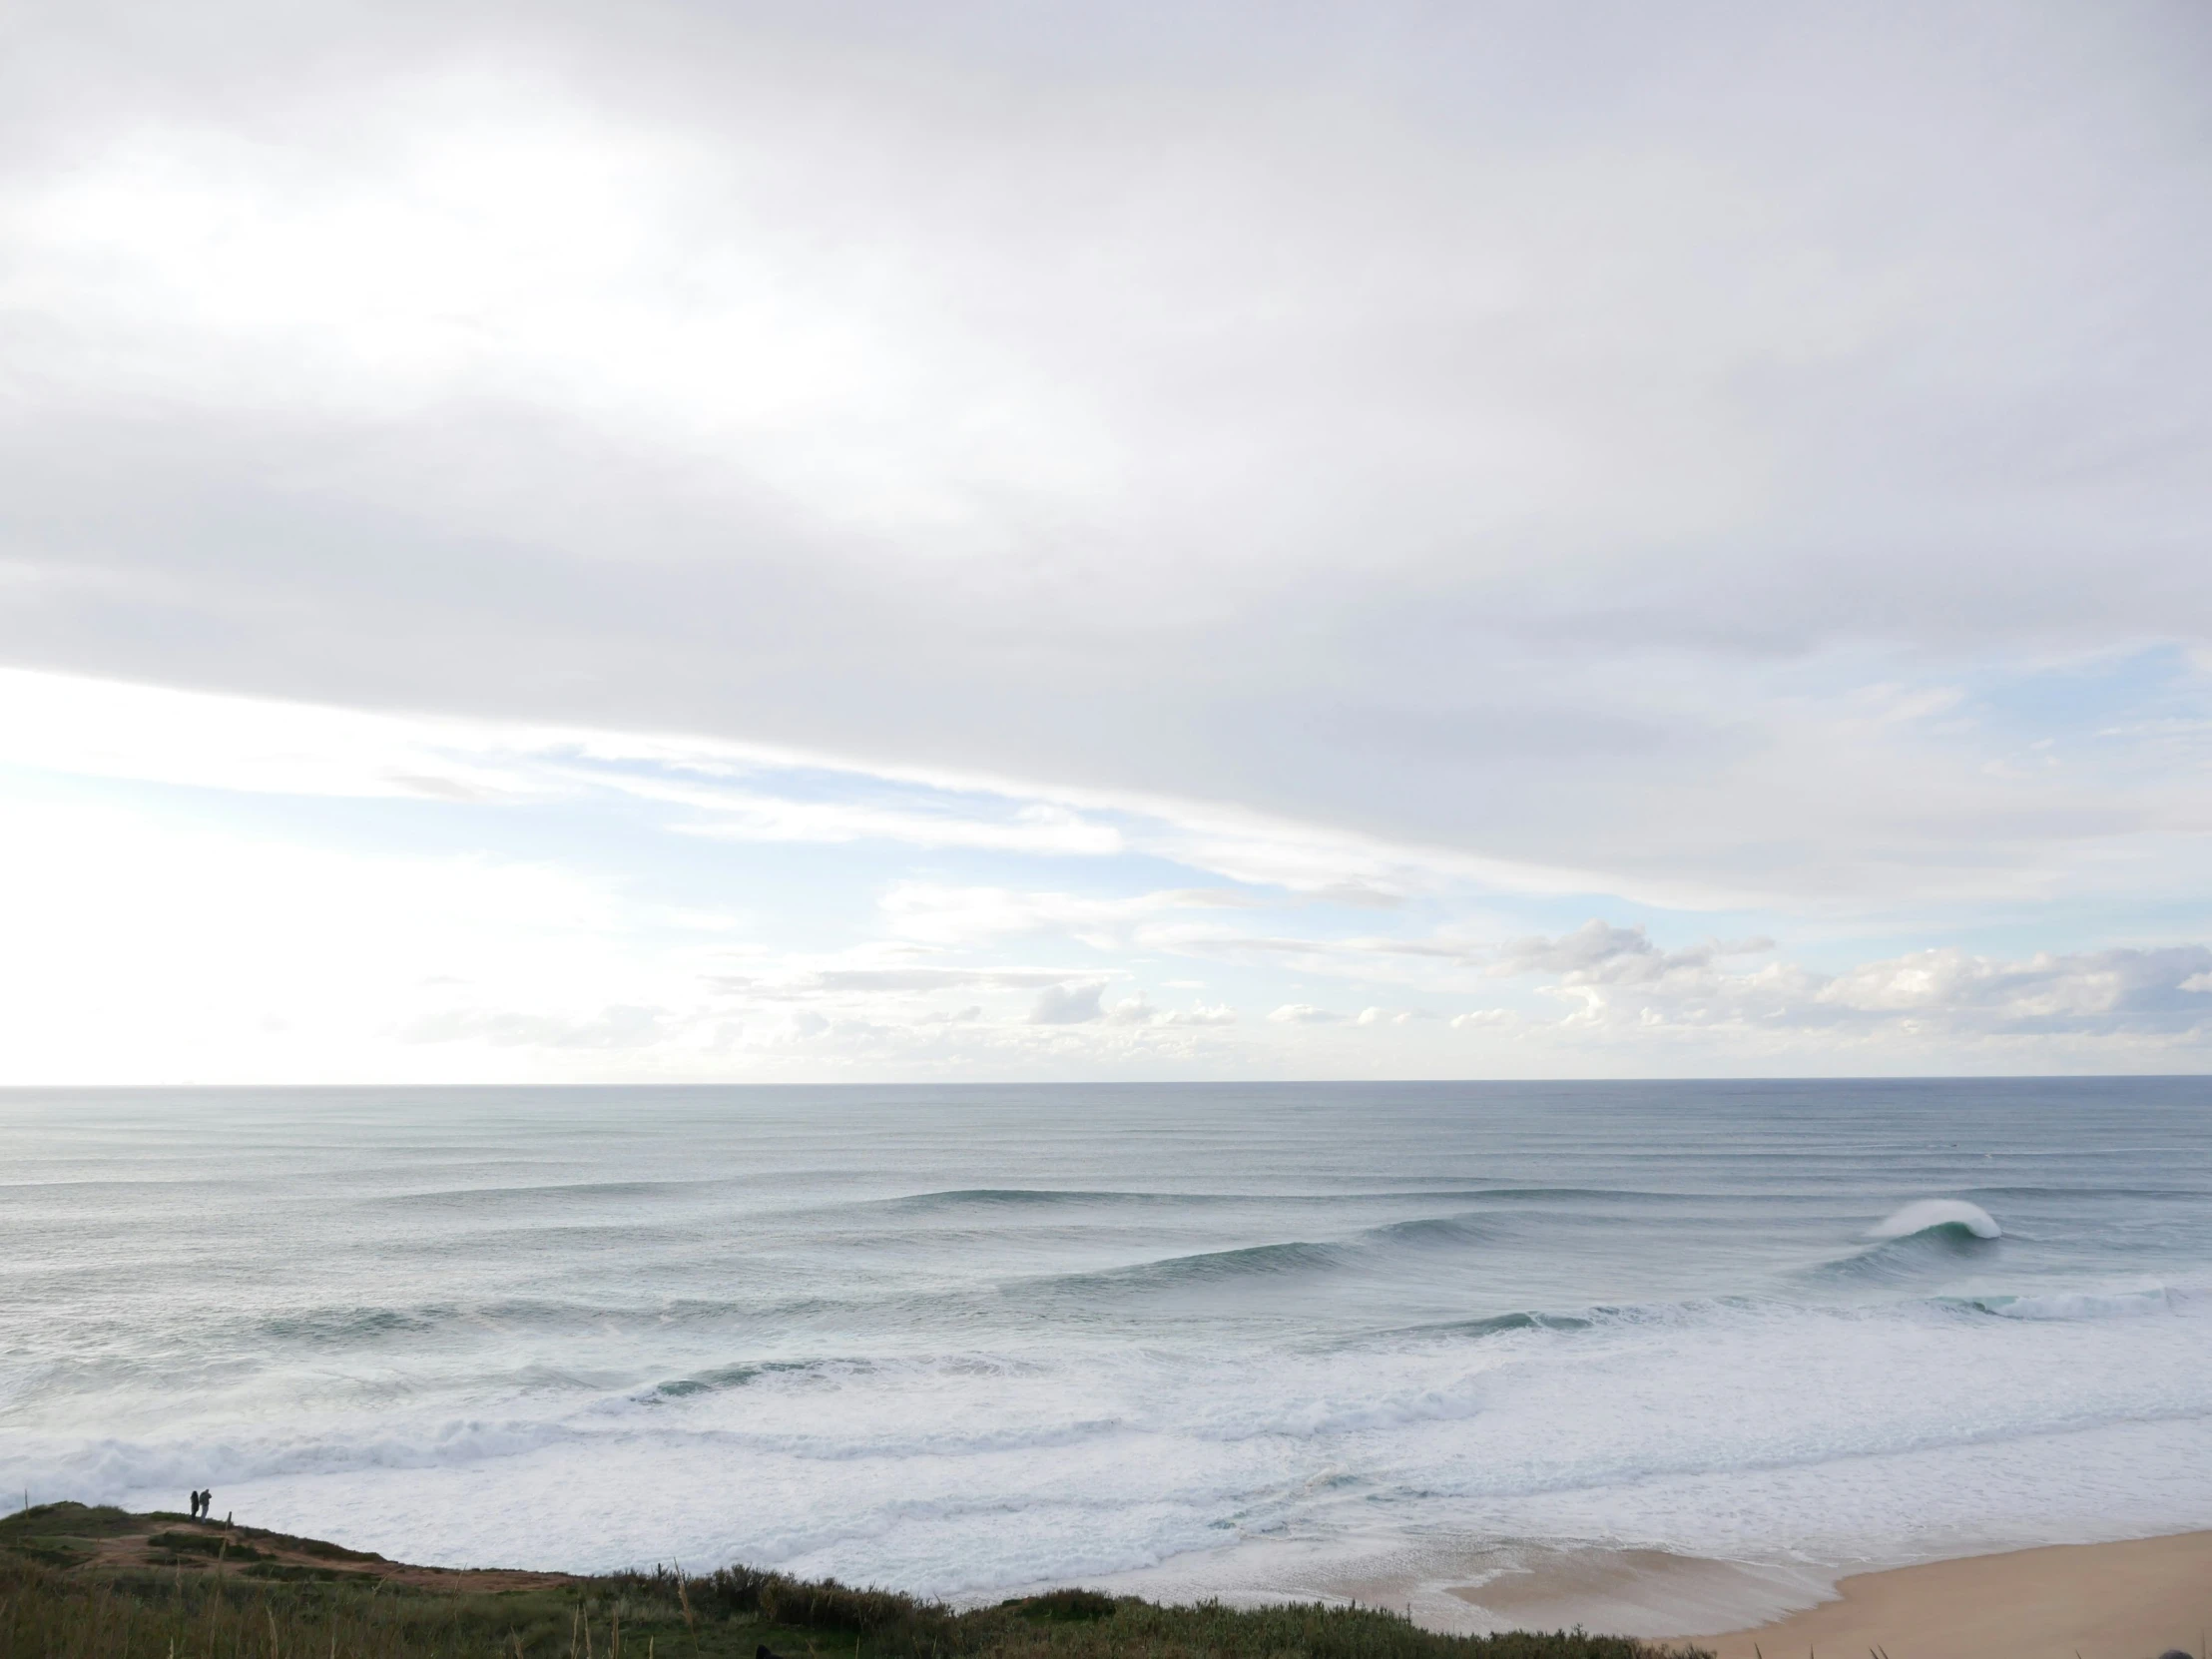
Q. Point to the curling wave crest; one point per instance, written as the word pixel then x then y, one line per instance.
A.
pixel 1938 1215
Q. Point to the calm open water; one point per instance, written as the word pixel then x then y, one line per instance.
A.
pixel 968 1340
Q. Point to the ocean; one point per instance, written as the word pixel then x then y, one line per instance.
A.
pixel 1190 1340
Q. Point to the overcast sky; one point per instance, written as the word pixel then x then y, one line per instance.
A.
pixel 605 541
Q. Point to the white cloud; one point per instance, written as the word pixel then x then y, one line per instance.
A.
pixel 1477 1019
pixel 1598 950
pixel 110 729
pixel 1067 1004
pixel 964 915
pixel 610 1029
pixel 162 952
pixel 1603 498
pixel 1199 1013
pixel 718 791
pixel 1034 827
pixel 2102 991
pixel 157 950
pixel 1615 977
pixel 1022 548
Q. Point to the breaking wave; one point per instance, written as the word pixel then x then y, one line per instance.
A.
pixel 1933 1236
pixel 1938 1215
pixel 2082 1304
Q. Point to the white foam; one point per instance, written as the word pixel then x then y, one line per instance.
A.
pixel 1928 1213
pixel 2085 1305
pixel 1758 1432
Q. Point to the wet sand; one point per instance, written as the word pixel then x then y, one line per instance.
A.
pixel 1627 1593
pixel 2132 1601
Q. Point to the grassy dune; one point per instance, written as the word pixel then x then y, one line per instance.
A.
pixel 79 1582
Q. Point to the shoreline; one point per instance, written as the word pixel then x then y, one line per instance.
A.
pixel 2135 1599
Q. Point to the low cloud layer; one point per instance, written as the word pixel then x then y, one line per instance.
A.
pixel 1616 977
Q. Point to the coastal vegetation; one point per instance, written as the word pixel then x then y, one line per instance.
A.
pixel 79 1582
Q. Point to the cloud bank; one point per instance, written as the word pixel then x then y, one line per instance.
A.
pixel 1319 505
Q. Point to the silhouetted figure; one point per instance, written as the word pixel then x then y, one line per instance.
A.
pixel 763 1651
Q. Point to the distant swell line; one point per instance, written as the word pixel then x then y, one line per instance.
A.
pixel 459 1197
pixel 1254 1261
pixel 1007 1198
pixel 1021 1197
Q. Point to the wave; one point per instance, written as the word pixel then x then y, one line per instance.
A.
pixel 1271 1261
pixel 1499 1324
pixel 1940 1245
pixel 1423 1233
pixel 1006 1198
pixel 1926 1235
pixel 2077 1304
pixel 2089 1191
pixel 1538 1195
pixel 335 1325
pixel 1431 1232
pixel 1938 1215
pixel 737 1377
pixel 474 1197
pixel 319 1327
pixel 1931 1251
pixel 1001 1197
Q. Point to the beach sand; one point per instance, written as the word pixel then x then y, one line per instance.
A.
pixel 2101 1601
pixel 2135 1600
pixel 1629 1592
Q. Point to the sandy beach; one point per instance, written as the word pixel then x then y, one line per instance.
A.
pixel 2131 1601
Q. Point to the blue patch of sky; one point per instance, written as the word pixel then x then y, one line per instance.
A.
pixel 2092 695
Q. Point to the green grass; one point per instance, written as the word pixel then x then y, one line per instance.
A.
pixel 56 1604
